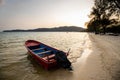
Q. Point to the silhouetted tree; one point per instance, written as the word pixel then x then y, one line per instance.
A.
pixel 104 23
pixel 103 13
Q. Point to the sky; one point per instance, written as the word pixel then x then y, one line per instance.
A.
pixel 31 14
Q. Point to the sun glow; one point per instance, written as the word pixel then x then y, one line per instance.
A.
pixel 15 14
pixel 76 19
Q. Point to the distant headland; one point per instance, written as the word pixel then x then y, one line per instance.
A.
pixel 56 29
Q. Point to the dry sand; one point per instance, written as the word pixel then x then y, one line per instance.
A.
pixel 100 60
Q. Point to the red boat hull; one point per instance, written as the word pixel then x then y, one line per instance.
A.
pixel 46 62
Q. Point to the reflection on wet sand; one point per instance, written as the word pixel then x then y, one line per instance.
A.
pixel 93 57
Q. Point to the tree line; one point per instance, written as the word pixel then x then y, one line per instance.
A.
pixel 105 17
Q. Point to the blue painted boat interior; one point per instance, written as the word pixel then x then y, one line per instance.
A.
pixel 42 50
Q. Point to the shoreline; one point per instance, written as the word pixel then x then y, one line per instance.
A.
pixel 100 60
pixel 94 57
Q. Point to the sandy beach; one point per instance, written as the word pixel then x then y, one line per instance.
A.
pixel 100 60
pixel 93 57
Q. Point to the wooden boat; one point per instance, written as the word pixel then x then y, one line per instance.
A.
pixel 44 54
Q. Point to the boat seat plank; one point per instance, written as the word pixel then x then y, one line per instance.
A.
pixel 44 52
pixel 38 49
pixel 49 56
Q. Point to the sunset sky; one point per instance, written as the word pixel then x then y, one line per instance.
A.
pixel 29 14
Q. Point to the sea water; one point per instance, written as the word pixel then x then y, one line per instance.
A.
pixel 15 64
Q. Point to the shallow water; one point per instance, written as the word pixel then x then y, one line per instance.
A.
pixel 15 64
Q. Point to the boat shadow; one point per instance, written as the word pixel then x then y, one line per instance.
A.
pixel 51 73
pixel 37 66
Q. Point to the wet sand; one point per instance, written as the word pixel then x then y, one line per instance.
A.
pixel 100 60
pixel 93 57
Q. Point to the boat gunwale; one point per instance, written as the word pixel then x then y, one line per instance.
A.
pixel 33 53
